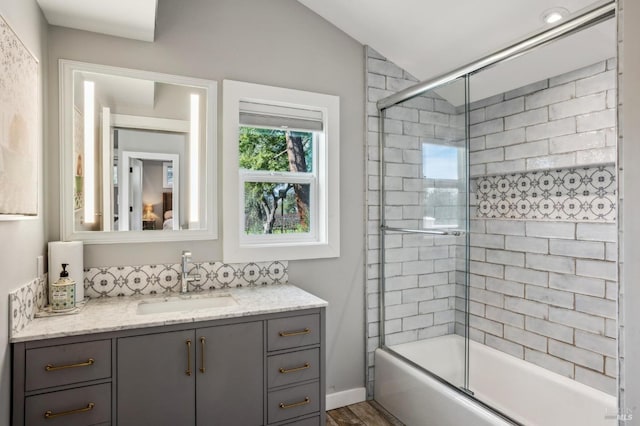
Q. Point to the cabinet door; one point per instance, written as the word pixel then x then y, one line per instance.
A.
pixel 231 388
pixel 152 382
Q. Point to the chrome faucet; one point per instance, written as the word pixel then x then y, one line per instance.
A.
pixel 186 278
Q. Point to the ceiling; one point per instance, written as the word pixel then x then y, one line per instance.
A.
pixel 425 37
pixel 429 38
pixel 135 19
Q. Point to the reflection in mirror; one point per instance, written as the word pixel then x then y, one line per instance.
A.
pixel 137 149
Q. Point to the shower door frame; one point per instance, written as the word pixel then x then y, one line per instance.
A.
pixel 465 231
pixel 583 19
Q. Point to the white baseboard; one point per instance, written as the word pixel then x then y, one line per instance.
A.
pixel 346 397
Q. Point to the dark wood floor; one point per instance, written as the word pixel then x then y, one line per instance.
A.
pixel 368 413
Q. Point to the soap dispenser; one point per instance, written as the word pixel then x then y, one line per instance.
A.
pixel 63 292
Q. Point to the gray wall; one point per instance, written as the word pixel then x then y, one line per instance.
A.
pixel 23 240
pixel 278 43
pixel 629 126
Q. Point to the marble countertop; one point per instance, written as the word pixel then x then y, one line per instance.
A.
pixel 120 313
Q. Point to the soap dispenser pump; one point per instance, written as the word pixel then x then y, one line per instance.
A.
pixel 63 292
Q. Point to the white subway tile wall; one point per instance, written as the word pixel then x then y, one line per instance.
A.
pixel 553 267
pixel 544 291
pixel 421 270
pixel 556 123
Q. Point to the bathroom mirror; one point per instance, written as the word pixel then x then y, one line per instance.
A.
pixel 137 155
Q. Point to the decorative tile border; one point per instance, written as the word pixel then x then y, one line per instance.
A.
pixel 152 279
pixel 25 301
pixel 576 194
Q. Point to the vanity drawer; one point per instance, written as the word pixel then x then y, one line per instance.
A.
pixel 293 402
pixel 66 364
pixel 291 332
pixel 293 367
pixel 313 421
pixel 89 405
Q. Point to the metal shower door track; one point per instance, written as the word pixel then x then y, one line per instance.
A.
pixel 602 11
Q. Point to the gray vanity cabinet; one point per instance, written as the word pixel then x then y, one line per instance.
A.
pixel 229 375
pixel 153 387
pixel 207 376
pixel 257 370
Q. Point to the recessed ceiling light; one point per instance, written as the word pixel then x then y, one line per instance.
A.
pixel 551 16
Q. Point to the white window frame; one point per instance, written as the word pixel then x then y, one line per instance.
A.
pixel 323 240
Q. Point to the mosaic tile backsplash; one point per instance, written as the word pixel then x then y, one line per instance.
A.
pixel 153 279
pixel 25 301
pixel 574 194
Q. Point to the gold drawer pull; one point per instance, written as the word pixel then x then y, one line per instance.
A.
pixel 294 333
pixel 188 372
pixel 202 342
pixel 51 415
pixel 295 404
pixel 50 367
pixel 293 370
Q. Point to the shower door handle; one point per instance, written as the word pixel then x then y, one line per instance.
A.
pixel 421 231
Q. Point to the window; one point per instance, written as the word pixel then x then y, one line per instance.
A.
pixel 444 185
pixel 440 161
pixel 281 165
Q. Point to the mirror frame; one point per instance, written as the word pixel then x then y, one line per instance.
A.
pixel 66 70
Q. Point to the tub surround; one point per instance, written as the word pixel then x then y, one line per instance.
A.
pixel 423 268
pixel 116 314
pixel 566 121
pixel 543 280
pixel 574 194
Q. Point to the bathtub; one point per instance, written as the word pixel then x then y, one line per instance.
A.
pixel 523 391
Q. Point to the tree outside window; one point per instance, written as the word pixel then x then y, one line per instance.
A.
pixel 277 166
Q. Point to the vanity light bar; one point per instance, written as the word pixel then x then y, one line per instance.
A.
pixel 194 158
pixel 89 153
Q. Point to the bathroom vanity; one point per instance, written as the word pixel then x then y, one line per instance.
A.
pixel 258 361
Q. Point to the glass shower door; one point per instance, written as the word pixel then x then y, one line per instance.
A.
pixel 424 216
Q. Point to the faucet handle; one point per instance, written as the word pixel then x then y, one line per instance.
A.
pixel 186 253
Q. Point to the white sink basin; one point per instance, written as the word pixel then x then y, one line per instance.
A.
pixel 185 303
